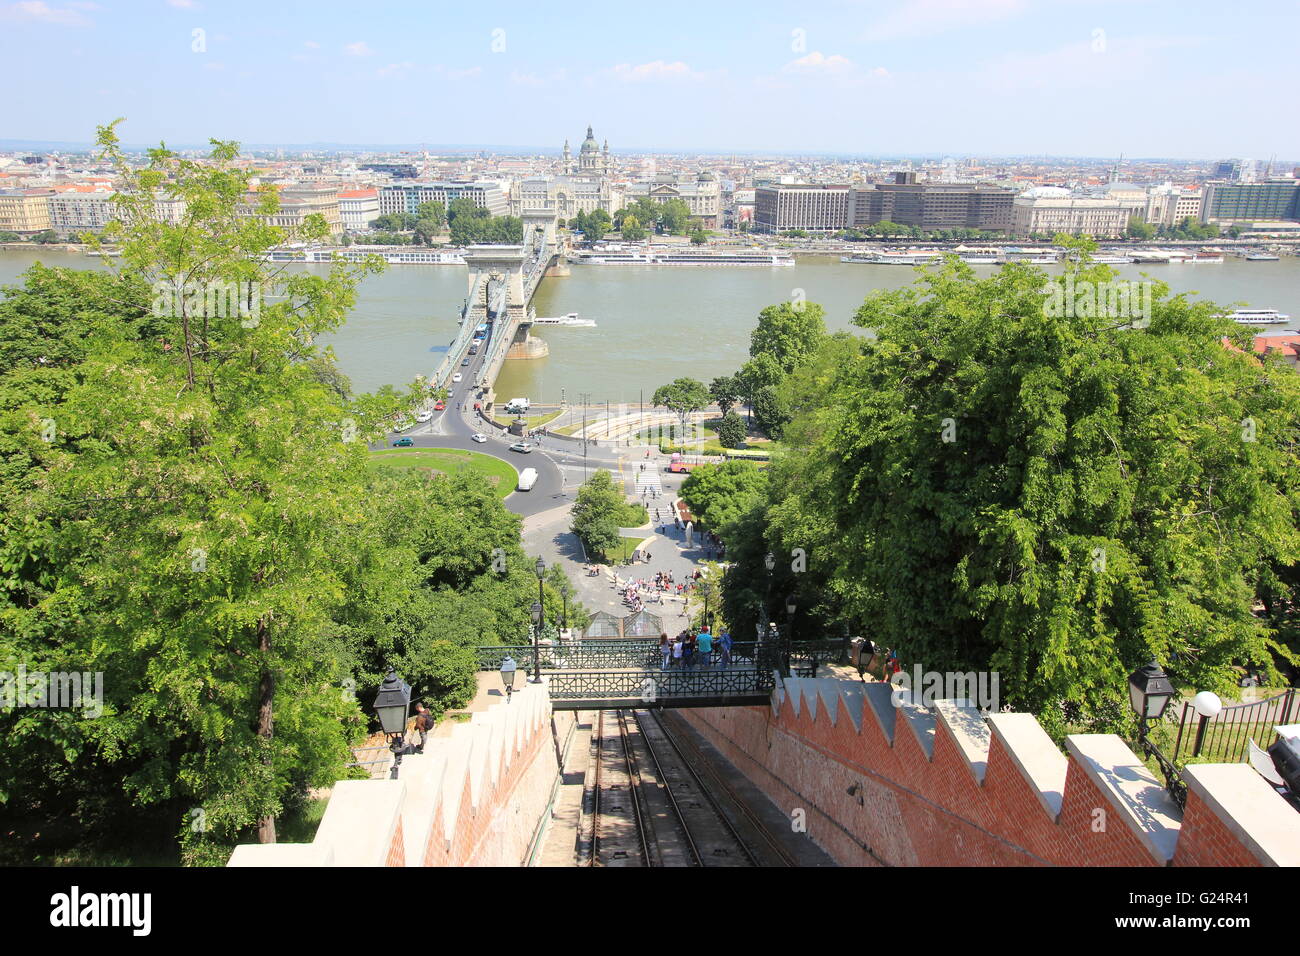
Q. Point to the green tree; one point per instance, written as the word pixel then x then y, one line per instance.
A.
pixel 193 521
pixel 683 397
pixel 720 494
pixel 725 392
pixel 698 238
pixel 731 431
pixel 1055 499
pixel 788 332
pixel 632 229
pixel 597 511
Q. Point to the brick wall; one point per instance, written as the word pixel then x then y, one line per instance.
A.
pixel 940 786
pixel 474 798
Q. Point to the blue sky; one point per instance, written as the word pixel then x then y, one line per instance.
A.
pixel 1176 78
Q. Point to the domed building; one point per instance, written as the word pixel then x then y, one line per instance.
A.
pixel 582 186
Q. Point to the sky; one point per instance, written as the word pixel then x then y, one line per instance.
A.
pixel 1145 78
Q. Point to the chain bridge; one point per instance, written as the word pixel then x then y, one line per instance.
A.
pixel 501 282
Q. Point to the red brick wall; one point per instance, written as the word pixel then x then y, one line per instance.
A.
pixel 1205 840
pixel 912 810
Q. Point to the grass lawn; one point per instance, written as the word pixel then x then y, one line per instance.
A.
pixel 447 460
pixel 537 421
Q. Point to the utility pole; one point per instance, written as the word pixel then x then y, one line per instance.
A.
pixel 586 397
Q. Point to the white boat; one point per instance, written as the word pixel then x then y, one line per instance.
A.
pixel 1259 317
pixel 685 258
pixel 570 318
pixel 1261 257
pixel 1111 260
pixel 1204 256
pixel 858 257
pixel 913 257
pixel 979 260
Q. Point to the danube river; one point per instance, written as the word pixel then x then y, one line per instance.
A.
pixel 656 323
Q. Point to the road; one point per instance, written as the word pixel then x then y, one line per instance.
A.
pixel 559 470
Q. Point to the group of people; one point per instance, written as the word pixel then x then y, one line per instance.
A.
pixel 695 648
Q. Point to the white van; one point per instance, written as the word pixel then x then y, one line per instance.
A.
pixel 517 405
pixel 527 478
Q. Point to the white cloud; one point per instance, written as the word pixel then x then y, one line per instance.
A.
pixel 183 4
pixel 394 68
pixel 654 70
pixel 311 44
pixel 816 62
pixel 458 74
pixel 360 48
pixel 915 18
pixel 36 11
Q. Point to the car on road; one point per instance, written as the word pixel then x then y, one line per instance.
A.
pixel 464 362
pixel 522 447
pixel 440 406
pixel 456 378
pixel 403 443
pixel 424 416
pixel 479 437
pixel 527 478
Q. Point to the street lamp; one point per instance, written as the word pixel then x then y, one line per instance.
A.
pixel 1207 704
pixel 537 643
pixel 1149 693
pixel 508 668
pixel 392 704
pixel 790 607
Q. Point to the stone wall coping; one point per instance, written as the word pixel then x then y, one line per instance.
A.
pixel 1039 761
pixel 965 724
pixel 282 854
pixel 1250 808
pixel 361 820
pixel 1141 800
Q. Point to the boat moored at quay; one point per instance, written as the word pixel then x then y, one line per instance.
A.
pixel 649 257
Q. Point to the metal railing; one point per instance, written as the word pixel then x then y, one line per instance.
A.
pixel 1226 734
pixel 805 656
pixel 711 683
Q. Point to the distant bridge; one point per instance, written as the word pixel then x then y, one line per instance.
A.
pixel 501 282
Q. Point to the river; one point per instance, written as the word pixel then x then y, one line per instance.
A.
pixel 656 323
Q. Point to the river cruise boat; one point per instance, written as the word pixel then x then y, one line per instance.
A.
pixel 570 319
pixel 393 255
pixel 1040 257
pixel 912 257
pixel 1261 257
pixel 1257 317
pixel 684 258
pixel 1212 256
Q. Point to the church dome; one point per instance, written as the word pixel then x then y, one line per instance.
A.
pixel 589 144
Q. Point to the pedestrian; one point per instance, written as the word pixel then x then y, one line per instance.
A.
pixel 423 724
pixel 665 649
pixel 704 646
pixel 724 642
pixel 688 652
pixel 678 644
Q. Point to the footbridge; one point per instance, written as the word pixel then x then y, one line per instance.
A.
pixel 501 282
pixel 598 675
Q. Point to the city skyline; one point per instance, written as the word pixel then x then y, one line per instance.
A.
pixel 914 78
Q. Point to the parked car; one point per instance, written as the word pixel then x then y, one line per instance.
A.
pixel 522 447
pixel 403 443
pixel 479 437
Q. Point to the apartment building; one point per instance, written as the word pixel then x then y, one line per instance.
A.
pixel 75 209
pixel 359 208
pixel 933 206
pixel 1277 199
pixel 25 211
pixel 407 197
pixel 779 207
pixel 296 204
pixel 1047 210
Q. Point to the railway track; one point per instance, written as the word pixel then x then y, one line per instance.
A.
pixel 651 807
